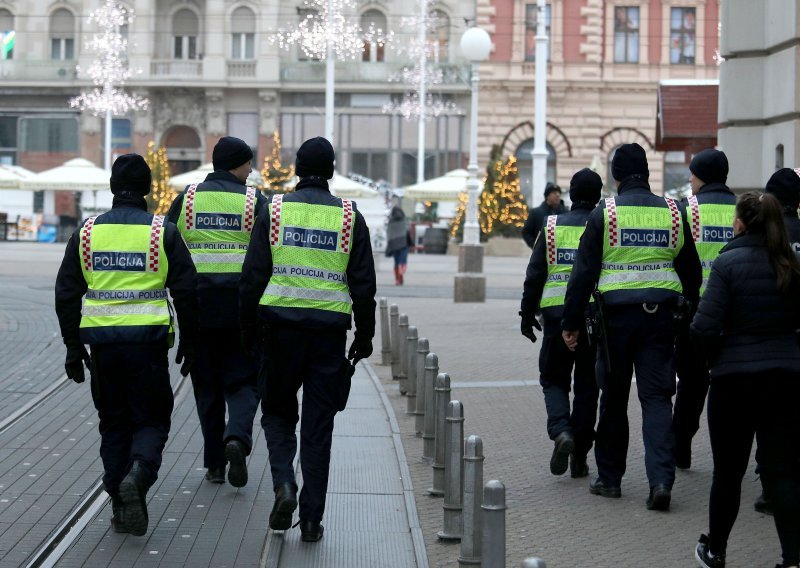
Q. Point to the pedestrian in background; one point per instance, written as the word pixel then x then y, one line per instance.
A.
pixel 638 252
pixel 545 285
pixel 398 239
pixel 307 274
pixel 215 218
pixel 710 211
pixel 784 187
pixel 123 262
pixel 552 205
pixel 747 323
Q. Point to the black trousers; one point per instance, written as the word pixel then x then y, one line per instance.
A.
pixel 644 342
pixel 224 375
pixel 314 360
pixel 133 398
pixel 692 389
pixel 556 364
pixel 764 406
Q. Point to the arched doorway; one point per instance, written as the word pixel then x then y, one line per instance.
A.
pixel 525 167
pixel 184 149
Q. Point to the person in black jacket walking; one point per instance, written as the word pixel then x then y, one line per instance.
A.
pixel 215 218
pixel 552 205
pixel 747 323
pixel 545 285
pixel 785 186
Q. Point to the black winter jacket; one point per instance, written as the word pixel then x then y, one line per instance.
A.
pixel 535 221
pixel 793 229
pixel 744 323
pixel 219 306
pixel 257 268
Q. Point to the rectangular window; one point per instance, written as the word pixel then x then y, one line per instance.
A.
pixel 305 14
pixel 408 168
pixel 185 47
pixel 244 125
pixel 62 48
pixel 49 135
pixel 530 31
pixel 682 36
pixel 8 131
pixel 7 44
pixel 626 34
pixel 243 46
pixel 121 133
pixel 374 165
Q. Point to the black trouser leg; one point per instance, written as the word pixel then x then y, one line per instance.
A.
pixel 691 391
pixel 240 392
pixel 555 370
pixel 207 382
pixel 584 403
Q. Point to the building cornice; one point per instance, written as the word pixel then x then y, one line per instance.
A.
pixel 755 53
pixel 755 122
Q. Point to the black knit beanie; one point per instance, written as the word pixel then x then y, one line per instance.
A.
pixel 710 166
pixel 785 186
pixel 315 158
pixel 585 186
pixel 230 153
pixel 549 188
pixel 130 173
pixel 629 160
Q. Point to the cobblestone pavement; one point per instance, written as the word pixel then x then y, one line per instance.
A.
pixel 554 518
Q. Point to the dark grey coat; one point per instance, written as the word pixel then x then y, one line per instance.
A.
pixel 744 323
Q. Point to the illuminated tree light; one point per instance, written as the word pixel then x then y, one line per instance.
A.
pixel 161 194
pixel 273 172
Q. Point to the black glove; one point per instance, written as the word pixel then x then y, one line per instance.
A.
pixel 249 339
pixel 360 349
pixel 186 354
pixel 527 325
pixel 77 357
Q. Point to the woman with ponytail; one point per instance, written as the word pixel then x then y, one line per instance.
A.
pixel 747 324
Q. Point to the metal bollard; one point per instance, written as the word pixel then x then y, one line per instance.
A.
pixel 394 316
pixel 429 431
pixel 386 341
pixel 419 411
pixel 402 340
pixel 442 389
pixel 473 487
pixel 493 512
pixel 411 369
pixel 533 563
pixel 453 525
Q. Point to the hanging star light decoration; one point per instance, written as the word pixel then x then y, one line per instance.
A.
pixel 325 21
pixel 110 70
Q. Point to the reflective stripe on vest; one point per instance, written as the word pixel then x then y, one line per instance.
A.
pixel 310 246
pixel 561 243
pixel 641 245
pixel 712 228
pixel 126 274
pixel 216 226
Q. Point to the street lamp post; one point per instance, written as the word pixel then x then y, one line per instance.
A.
pixel 470 283
pixel 539 153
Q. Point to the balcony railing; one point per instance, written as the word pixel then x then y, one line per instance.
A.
pixel 363 72
pixel 176 68
pixel 241 69
pixel 51 70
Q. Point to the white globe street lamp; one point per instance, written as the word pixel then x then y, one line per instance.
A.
pixel 470 283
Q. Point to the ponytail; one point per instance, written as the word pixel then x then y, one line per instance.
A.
pixel 762 214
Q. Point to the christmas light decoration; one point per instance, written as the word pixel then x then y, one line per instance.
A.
pixel 161 194
pixel 274 173
pixel 109 70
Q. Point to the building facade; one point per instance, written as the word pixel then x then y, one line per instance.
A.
pixel 209 69
pixel 759 106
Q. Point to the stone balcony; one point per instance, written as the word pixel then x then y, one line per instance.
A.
pixel 53 71
pixel 364 72
pixel 176 68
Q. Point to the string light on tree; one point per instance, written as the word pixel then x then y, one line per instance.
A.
pixel 161 194
pixel 109 71
pixel 274 173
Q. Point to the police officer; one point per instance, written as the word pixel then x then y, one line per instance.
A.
pixel 216 218
pixel 638 251
pixel 710 210
pixel 545 285
pixel 308 268
pixel 123 262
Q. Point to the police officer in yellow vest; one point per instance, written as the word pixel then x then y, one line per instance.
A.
pixel 216 218
pixel 710 212
pixel 309 267
pixel 122 263
pixel 545 285
pixel 637 250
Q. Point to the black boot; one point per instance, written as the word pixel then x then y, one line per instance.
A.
pixel 660 497
pixel 280 519
pixel 562 447
pixel 216 474
pixel 117 514
pixel 133 494
pixel 236 454
pixel 763 505
pixel 311 531
pixel 578 466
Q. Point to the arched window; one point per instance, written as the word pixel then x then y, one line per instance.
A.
pixel 185 28
pixel 184 149
pixel 439 35
pixel 525 166
pixel 7 34
pixel 779 157
pixel 373 22
pixel 62 34
pixel 243 34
